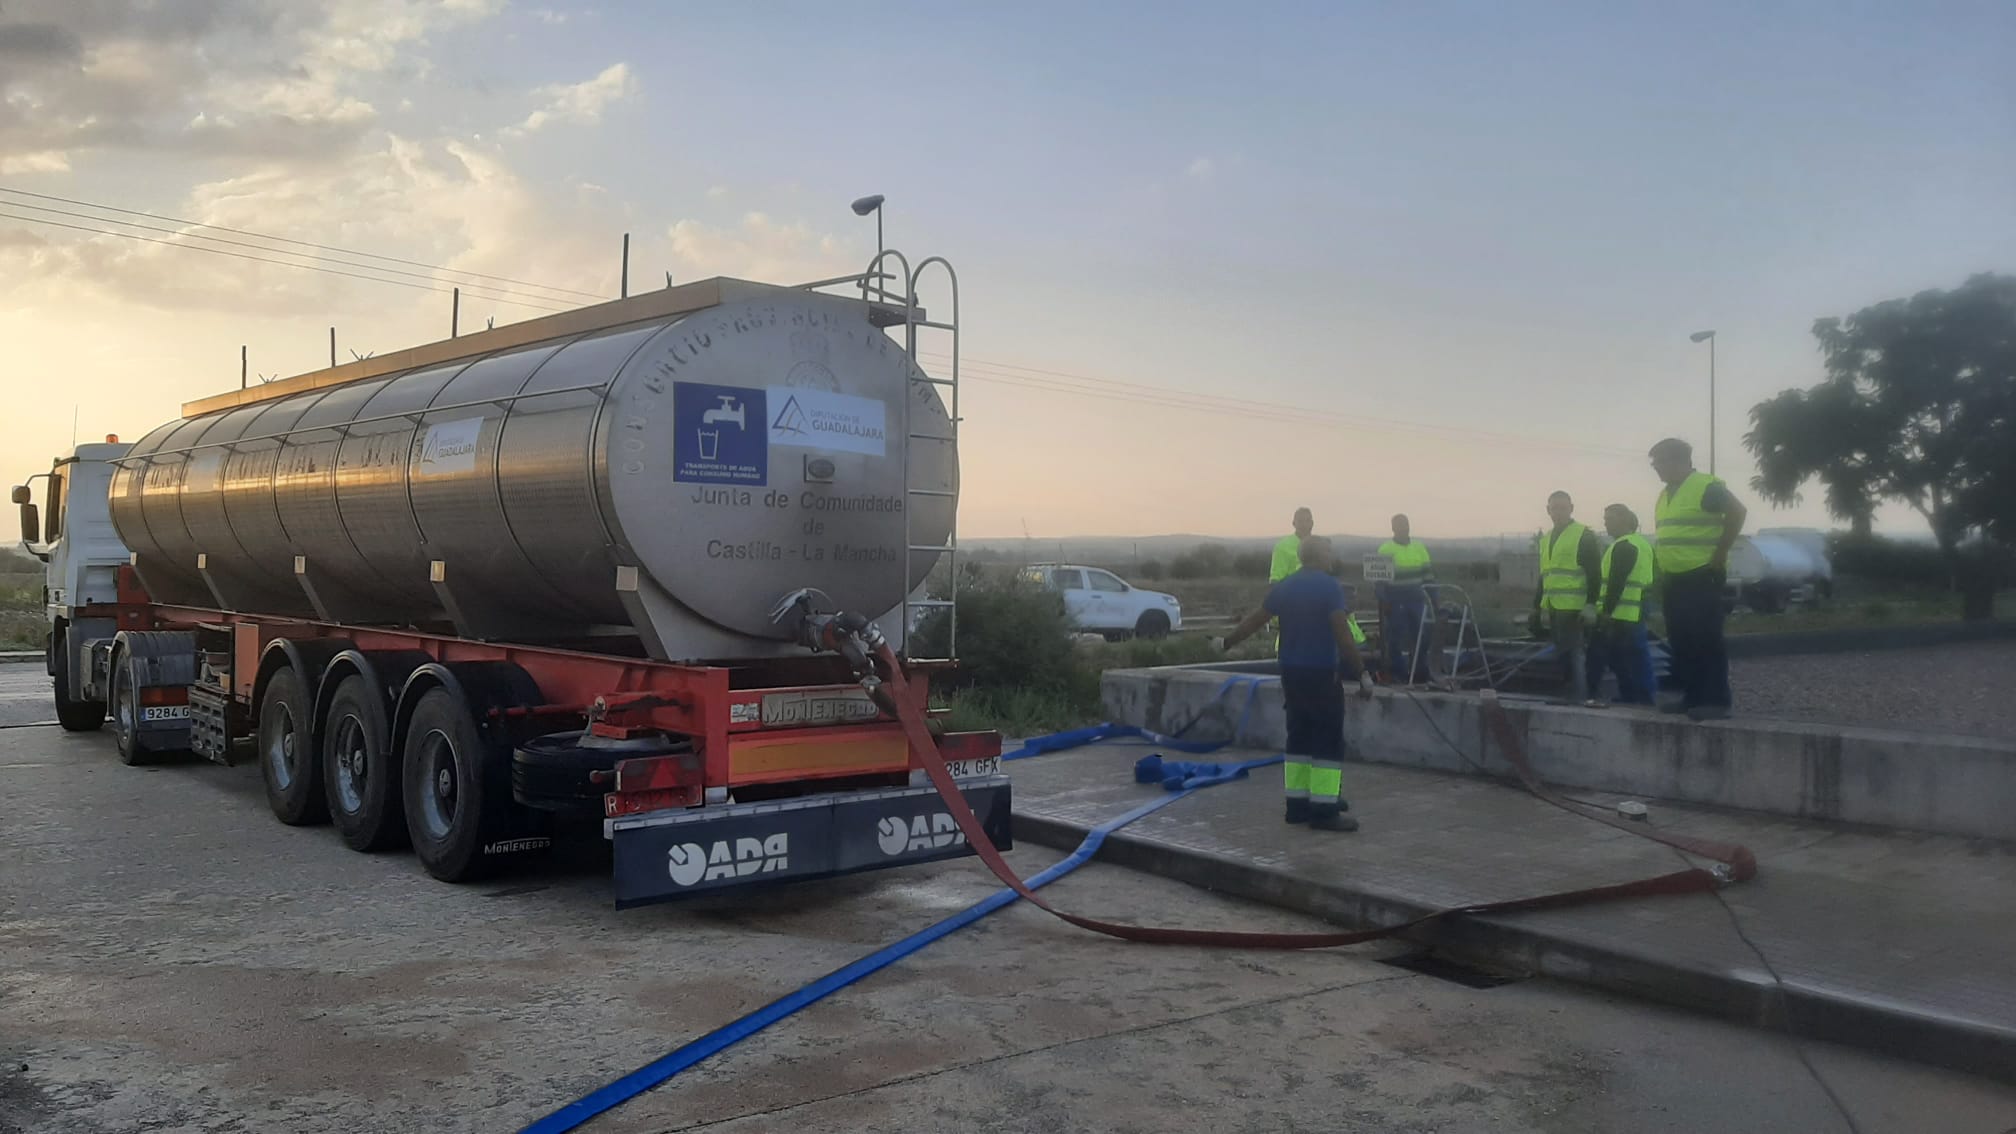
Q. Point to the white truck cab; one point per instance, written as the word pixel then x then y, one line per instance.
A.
pixel 1101 602
pixel 71 532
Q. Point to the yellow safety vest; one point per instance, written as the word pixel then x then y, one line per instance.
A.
pixel 1287 558
pixel 1687 535
pixel 1630 600
pixel 1287 561
pixel 1563 583
pixel 1410 560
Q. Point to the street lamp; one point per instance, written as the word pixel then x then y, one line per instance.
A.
pixel 867 205
pixel 1709 338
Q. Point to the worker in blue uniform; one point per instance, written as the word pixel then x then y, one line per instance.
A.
pixel 1403 607
pixel 1315 638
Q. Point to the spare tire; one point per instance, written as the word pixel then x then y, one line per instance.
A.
pixel 556 772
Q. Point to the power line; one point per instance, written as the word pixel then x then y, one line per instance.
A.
pixel 1006 373
pixel 469 287
pixel 1063 382
pixel 291 240
pixel 261 259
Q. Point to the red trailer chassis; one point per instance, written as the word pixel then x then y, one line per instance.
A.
pixel 708 775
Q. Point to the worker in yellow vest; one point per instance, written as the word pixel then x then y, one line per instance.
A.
pixel 1287 560
pixel 1288 549
pixel 1619 639
pixel 1403 606
pixel 1565 598
pixel 1697 519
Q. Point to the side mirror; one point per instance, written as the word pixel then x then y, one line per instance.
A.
pixel 31 520
pixel 21 494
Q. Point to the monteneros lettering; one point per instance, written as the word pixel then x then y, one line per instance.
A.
pixel 514 846
pixel 690 864
pixel 925 832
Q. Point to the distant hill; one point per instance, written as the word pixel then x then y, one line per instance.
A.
pixel 1118 551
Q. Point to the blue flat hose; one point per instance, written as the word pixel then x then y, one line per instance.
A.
pixel 1058 741
pixel 574 1114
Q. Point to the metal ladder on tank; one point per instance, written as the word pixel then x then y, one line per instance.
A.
pixel 874 289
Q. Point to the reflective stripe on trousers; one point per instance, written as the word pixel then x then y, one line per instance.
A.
pixel 1326 785
pixel 1295 777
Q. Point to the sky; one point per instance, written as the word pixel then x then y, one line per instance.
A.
pixel 1439 258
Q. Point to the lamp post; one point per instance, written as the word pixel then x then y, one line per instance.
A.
pixel 1709 338
pixel 867 205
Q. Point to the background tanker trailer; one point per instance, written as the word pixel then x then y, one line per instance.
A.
pixel 1780 567
pixel 651 560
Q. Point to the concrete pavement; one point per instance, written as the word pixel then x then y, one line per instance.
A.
pixel 1893 941
pixel 174 960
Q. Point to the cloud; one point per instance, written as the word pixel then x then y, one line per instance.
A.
pixel 436 201
pixel 581 102
pixel 1201 169
pixel 549 17
pixel 84 76
pixel 39 43
pixel 760 249
pixel 42 161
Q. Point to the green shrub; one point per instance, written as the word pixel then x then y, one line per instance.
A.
pixel 1011 636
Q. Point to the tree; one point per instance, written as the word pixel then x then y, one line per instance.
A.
pixel 1918 407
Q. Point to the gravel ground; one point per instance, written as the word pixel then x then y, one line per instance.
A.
pixel 1968 688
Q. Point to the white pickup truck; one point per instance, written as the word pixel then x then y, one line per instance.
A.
pixel 1103 603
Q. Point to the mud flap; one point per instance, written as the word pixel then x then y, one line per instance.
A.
pixel 666 855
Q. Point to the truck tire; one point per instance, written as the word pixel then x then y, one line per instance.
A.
pixel 456 802
pixel 360 769
pixel 1153 624
pixel 287 757
pixel 126 715
pixel 74 716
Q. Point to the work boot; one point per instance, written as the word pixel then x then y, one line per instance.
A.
pixel 1333 821
pixel 1708 713
pixel 1675 707
pixel 1298 811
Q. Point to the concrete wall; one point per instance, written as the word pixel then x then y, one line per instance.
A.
pixel 1913 780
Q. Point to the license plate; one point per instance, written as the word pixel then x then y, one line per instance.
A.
pixel 967 769
pixel 164 713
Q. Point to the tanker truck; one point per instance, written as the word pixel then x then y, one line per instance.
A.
pixel 654 562
pixel 1780 567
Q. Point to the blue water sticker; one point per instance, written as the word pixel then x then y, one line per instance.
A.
pixel 720 434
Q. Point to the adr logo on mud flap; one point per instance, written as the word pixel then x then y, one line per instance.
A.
pixel 925 832
pixel 693 863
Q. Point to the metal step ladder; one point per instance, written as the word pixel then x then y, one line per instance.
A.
pixel 875 288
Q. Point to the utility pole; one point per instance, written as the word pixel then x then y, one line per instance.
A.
pixel 332 346
pixel 626 266
pixel 244 374
pixel 455 314
pixel 1708 337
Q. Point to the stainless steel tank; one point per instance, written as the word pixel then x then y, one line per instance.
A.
pixel 673 478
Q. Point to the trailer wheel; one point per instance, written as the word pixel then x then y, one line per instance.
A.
pixel 455 802
pixel 126 715
pixel 74 716
pixel 287 757
pixel 360 769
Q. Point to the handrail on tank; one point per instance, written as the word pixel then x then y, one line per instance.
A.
pixel 952 416
pixel 344 427
pixel 882 294
pixel 856 278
